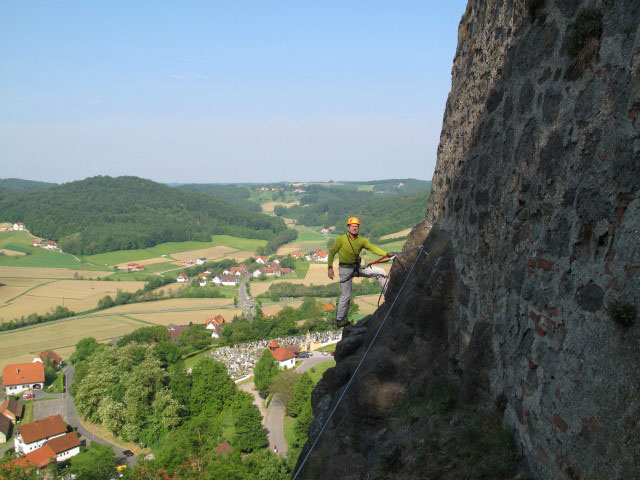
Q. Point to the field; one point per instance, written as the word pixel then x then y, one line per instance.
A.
pixel 11 253
pixel 368 303
pixel 77 295
pixel 170 248
pixel 147 262
pixel 275 308
pixel 22 345
pixel 401 233
pixel 270 206
pixel 29 272
pixel 184 318
pixel 172 304
pixel 210 253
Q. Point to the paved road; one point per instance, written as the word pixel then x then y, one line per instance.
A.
pixel 274 419
pixel 245 302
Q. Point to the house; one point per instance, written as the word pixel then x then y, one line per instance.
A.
pixel 256 273
pixel 12 409
pixel 186 262
pixel 38 242
pixel 324 231
pixel 327 308
pixel 203 281
pixel 284 357
pixel 19 226
pixel 5 428
pixel 134 267
pixel 224 449
pixel 176 330
pixel 182 277
pixel 32 436
pixel 201 261
pixel 296 255
pixel 261 260
pixel 228 280
pixel 239 270
pixel 57 449
pixel 208 271
pixel 214 322
pixel 286 270
pixel 272 271
pixel 51 245
pixel 299 190
pixel 50 355
pixel 19 377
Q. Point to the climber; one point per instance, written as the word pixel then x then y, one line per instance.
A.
pixel 348 247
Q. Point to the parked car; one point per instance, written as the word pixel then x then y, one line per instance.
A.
pixel 28 395
pixel 325 353
pixel 127 453
pixel 304 355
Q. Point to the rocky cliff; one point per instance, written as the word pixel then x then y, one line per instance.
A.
pixel 522 310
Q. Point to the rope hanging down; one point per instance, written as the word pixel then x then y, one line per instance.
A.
pixel 419 247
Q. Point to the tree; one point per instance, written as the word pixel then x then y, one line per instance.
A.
pixel 284 384
pixel 249 432
pixel 301 427
pixel 211 389
pixel 301 395
pixel 84 349
pixel 266 369
pixel 98 462
pixel 195 336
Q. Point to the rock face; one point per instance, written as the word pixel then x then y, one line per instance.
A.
pixel 533 237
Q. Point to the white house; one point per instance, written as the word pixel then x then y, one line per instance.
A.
pixel 201 261
pixel 261 260
pixel 32 436
pixel 59 449
pixel 228 280
pixel 51 245
pixel 182 277
pixel 284 357
pixel 19 377
pixel 256 273
pixel 19 226
pixel 203 281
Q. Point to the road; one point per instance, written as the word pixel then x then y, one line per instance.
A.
pixel 274 419
pixel 245 302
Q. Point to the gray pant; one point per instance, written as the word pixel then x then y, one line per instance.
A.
pixel 346 285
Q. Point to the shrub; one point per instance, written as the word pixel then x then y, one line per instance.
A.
pixel 584 31
pixel 623 313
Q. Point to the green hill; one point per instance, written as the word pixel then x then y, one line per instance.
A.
pixel 20 184
pixel 102 214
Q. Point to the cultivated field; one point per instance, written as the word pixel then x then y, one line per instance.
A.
pixel 184 318
pixel 401 233
pixel 31 272
pixel 211 253
pixel 368 303
pixel 171 304
pixel 22 345
pixel 275 308
pixel 12 253
pixel 77 295
pixel 270 206
pixel 148 261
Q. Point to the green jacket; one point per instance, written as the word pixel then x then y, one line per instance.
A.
pixel 342 246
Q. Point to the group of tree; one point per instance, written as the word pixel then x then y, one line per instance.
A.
pixel 139 390
pixel 57 313
pixel 382 210
pixel 287 289
pixel 102 214
pixel 239 195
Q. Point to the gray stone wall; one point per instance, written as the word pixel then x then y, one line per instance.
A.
pixel 537 185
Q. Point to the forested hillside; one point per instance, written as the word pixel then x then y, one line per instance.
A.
pixel 20 184
pixel 381 212
pixel 237 194
pixel 102 214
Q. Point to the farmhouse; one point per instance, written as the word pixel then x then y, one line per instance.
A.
pixel 59 449
pixel 40 243
pixel 51 245
pixel 19 377
pixel 12 409
pixel 5 428
pixel 32 436
pixel 201 261
pixel 19 226
pixel 215 324
pixel 229 280
pixel 285 357
pixel 134 267
pixel 182 277
pixel 261 260
pixel 49 355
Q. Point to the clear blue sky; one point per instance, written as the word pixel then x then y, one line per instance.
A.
pixel 213 91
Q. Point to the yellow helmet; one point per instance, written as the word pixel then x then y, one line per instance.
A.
pixel 353 220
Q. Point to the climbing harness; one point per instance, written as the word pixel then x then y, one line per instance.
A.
pixel 384 320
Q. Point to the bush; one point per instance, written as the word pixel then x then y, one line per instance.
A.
pixel 623 313
pixel 586 28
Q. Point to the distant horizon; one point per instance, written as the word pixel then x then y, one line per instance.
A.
pixel 204 92
pixel 221 183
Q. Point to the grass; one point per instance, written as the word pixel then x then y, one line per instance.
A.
pixel 329 348
pixel 318 370
pixel 169 248
pixel 57 385
pixel 308 236
pixel 287 425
